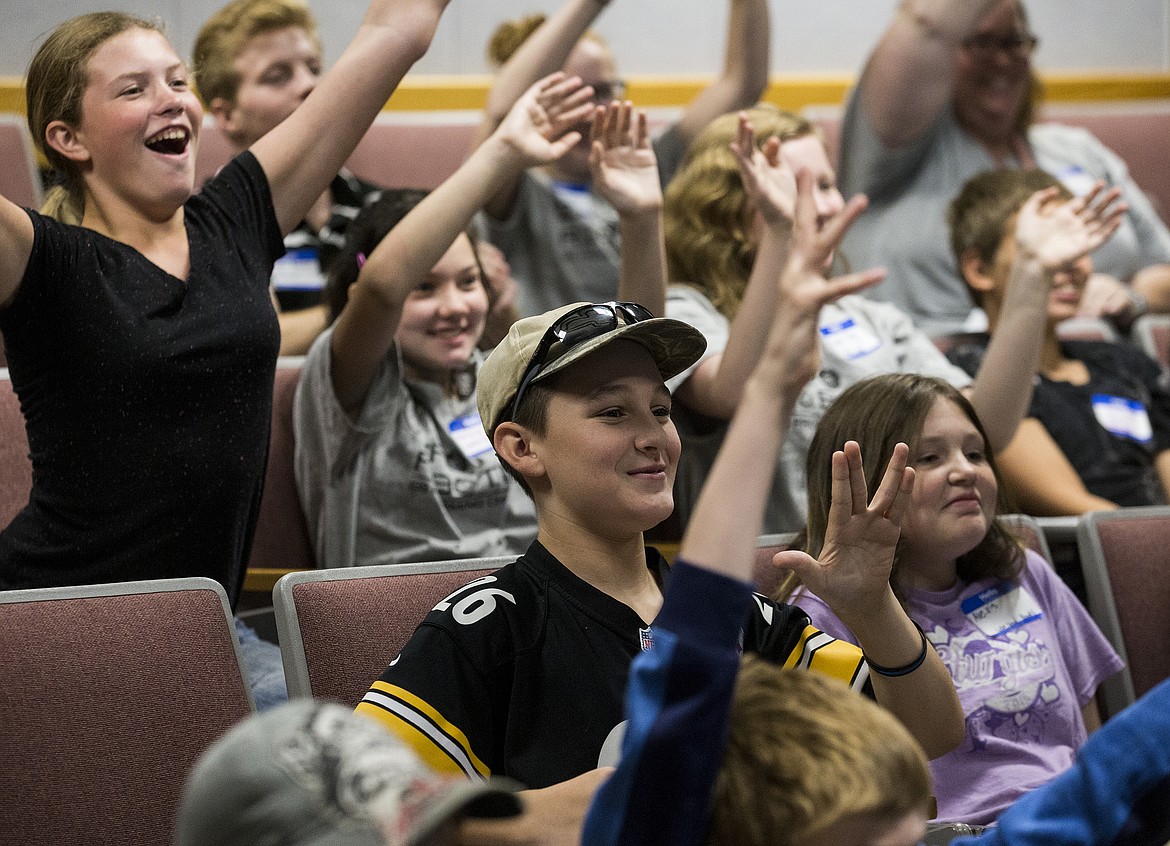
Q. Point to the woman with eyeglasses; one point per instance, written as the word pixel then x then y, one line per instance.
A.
pixel 392 464
pixel 560 236
pixel 950 92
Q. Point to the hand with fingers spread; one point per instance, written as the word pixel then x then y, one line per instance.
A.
pixel 621 160
pixel 768 181
pixel 804 287
pixel 1057 233
pixel 541 126
pixel 852 574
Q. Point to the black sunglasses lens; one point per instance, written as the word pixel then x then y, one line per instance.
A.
pixel 634 312
pixel 588 322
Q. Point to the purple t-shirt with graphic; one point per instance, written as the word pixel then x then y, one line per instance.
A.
pixel 1025 658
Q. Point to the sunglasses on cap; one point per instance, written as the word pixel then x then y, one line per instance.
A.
pixel 574 327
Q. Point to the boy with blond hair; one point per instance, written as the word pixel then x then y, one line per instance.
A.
pixel 255 62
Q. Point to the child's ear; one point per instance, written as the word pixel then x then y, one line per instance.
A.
pixel 67 141
pixel 513 443
pixel 975 271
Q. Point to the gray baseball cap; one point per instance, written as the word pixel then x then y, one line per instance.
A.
pixel 317 774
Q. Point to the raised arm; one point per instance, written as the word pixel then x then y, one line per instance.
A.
pixel 722 531
pixel 626 174
pixel 542 53
pixel 1050 236
pixel 305 151
pixel 715 386
pixel 909 77
pixel 852 576
pixel 535 132
pixel 16 240
pixel 746 65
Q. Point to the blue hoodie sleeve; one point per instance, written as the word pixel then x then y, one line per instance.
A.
pixel 677 706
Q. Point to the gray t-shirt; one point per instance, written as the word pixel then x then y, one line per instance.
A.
pixel 910 188
pixel 562 242
pixel 411 478
pixel 859 338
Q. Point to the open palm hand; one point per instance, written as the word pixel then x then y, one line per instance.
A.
pixel 624 168
pixel 1058 233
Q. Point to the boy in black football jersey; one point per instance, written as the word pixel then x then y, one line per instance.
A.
pixel 522 673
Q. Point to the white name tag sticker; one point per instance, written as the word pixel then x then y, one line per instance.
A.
pixel 1123 417
pixel 848 340
pixel 298 270
pixel 1076 180
pixel 998 610
pixel 468 434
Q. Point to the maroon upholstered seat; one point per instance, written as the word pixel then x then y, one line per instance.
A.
pixel 340 628
pixel 108 695
pixel 282 535
pixel 768 577
pixel 399 151
pixel 1124 554
pixel 1152 333
pixel 20 181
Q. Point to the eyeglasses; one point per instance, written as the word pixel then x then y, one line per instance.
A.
pixel 986 45
pixel 574 327
pixel 609 89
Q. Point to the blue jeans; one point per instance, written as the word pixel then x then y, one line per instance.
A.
pixel 263 668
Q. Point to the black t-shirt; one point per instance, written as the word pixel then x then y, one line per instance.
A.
pixel 147 398
pixel 523 673
pixel 1110 429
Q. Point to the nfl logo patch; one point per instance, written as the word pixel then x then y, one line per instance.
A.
pixel 646 637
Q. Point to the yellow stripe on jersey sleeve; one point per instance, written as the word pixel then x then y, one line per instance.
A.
pixel 436 740
pixel 825 654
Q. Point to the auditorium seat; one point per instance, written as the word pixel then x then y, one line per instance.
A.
pixel 282 535
pixel 767 576
pixel 108 695
pixel 340 628
pixel 1152 334
pixel 20 179
pixel 1123 554
pixel 400 150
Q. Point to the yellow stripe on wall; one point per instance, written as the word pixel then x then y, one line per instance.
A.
pixel 442 93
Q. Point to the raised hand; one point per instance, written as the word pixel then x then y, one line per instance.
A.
pixel 768 181
pixel 1058 233
pixel 541 125
pixel 622 161
pixel 852 573
pixel 804 287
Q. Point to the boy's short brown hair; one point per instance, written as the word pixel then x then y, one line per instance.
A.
pixel 225 34
pixel 805 752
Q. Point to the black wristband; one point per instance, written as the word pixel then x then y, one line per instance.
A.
pixel 905 669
